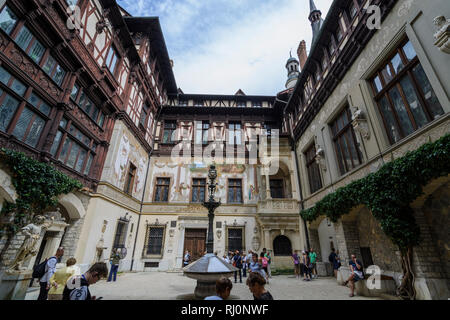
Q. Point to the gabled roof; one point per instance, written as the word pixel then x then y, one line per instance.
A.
pixel 239 93
pixel 152 28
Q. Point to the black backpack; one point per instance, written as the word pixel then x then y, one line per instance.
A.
pixel 39 270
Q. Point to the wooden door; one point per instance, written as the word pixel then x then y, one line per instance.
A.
pixel 195 242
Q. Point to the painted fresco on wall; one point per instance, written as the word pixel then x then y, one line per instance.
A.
pixel 122 159
pixel 130 151
pixel 140 179
pixel 231 168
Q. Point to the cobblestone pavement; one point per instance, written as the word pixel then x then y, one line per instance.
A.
pixel 171 286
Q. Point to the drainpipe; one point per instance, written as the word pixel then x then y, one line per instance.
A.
pixel 145 187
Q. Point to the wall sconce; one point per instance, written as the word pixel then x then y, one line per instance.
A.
pixel 125 218
pixel 442 35
pixel 359 123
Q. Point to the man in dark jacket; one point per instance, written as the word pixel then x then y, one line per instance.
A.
pixel 237 262
pixel 77 287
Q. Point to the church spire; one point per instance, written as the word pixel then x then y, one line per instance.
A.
pixel 312 6
pixel 315 16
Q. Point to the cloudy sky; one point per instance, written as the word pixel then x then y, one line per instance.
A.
pixel 220 46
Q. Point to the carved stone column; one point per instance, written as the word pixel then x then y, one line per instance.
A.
pixel 267 242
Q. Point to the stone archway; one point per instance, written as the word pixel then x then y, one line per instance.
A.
pixel 74 209
pixel 282 246
pixel 73 205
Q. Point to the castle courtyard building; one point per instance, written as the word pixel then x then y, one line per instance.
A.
pixel 90 90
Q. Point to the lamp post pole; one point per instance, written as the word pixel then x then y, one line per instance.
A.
pixel 211 205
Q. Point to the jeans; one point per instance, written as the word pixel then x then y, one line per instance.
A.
pixel 43 292
pixel 244 271
pixel 114 268
pixel 240 275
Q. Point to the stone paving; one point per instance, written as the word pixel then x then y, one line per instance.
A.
pixel 171 286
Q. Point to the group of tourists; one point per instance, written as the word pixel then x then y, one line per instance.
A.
pixel 68 283
pixel 305 264
pixel 250 262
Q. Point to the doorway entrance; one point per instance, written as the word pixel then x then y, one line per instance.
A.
pixel 195 243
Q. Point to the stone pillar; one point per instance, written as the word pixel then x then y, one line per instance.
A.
pixel 347 238
pixel 180 253
pixel 267 242
pixel 268 195
pixel 431 282
pixel 293 184
pixel 315 242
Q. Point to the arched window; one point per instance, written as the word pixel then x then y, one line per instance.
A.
pixel 282 246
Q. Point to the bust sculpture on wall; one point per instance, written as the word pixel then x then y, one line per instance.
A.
pixel 442 35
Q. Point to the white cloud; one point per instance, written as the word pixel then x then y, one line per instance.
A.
pixel 219 47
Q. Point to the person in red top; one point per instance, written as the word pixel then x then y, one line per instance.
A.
pixel 265 264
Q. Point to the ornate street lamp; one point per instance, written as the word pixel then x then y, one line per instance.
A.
pixel 211 205
pixel 210 268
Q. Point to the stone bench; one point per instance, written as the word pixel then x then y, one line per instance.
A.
pixel 387 284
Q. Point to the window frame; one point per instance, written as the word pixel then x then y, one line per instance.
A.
pixel 66 134
pixel 196 187
pixel 395 82
pixel 143 120
pixel 23 102
pixel 33 40
pixel 131 176
pixel 16 18
pixel 171 130
pixel 311 165
pixel 235 187
pixel 282 188
pixel 227 240
pixel 113 49
pixel 235 130
pixel 101 116
pixel 120 239
pixel 341 133
pixel 162 186
pixel 145 249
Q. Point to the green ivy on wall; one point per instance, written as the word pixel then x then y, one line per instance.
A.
pixel 37 185
pixel 389 192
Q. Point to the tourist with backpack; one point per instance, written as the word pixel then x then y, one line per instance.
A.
pixel 77 287
pixel 237 262
pixel 114 261
pixel 335 261
pixel 306 266
pixel 44 271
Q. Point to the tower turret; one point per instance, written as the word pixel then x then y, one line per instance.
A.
pixel 293 72
pixel 315 16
